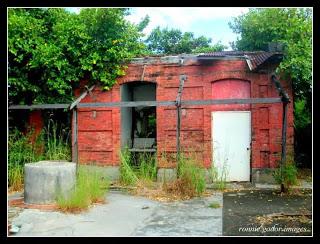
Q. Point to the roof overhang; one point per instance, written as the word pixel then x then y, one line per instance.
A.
pixel 254 60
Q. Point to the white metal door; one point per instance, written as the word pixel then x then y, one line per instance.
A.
pixel 231 136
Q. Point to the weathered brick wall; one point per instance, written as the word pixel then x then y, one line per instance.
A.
pixel 99 128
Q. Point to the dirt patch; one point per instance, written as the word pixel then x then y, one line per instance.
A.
pixel 169 192
pixel 21 204
pixel 293 218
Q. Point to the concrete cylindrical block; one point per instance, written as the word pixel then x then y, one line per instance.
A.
pixel 45 180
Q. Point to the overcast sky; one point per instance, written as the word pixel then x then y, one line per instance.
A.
pixel 207 21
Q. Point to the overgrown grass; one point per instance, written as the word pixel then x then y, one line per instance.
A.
pixel 190 180
pixel 192 173
pixel 142 172
pixel 20 151
pixel 145 169
pixel 91 187
pixel 57 142
pixel 127 174
pixel 50 144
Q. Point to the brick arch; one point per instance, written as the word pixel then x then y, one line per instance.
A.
pixel 126 81
pixel 240 75
pixel 229 88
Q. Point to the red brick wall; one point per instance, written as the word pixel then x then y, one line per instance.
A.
pixel 99 129
pixel 99 132
pixel 36 124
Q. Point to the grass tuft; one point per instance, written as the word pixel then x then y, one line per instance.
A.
pixel 214 205
pixel 90 188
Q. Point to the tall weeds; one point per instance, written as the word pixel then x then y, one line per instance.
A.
pixel 218 176
pixel 289 174
pixel 147 167
pixel 190 180
pixel 127 174
pixel 144 171
pixel 192 174
pixel 57 143
pixel 21 150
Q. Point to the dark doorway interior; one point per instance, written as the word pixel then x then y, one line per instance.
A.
pixel 138 124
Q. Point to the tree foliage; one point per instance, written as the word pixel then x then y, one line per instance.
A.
pixel 174 41
pixel 290 26
pixel 50 50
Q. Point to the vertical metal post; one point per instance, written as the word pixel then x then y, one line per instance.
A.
pixel 178 105
pixel 284 141
pixel 75 136
pixel 178 128
pixel 285 100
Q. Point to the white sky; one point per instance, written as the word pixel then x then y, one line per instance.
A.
pixel 207 21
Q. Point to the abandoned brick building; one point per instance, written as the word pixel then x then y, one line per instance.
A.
pixel 246 137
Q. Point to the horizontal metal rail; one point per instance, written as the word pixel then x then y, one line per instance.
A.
pixel 128 104
pixel 231 101
pixel 183 103
pixel 152 103
pixel 40 106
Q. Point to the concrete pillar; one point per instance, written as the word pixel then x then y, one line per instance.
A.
pixel 44 180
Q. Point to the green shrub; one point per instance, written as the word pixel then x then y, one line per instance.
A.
pixel 91 187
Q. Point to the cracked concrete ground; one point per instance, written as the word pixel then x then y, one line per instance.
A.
pixel 127 215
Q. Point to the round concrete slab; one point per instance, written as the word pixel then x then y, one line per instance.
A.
pixel 44 180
